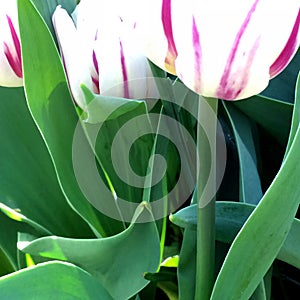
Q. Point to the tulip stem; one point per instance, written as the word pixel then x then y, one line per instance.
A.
pixel 206 189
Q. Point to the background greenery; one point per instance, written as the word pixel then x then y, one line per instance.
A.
pixel 53 241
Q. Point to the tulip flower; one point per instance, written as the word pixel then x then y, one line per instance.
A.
pixel 101 50
pixel 10 49
pixel 226 49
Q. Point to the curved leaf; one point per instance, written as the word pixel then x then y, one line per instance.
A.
pixel 250 187
pixel 27 179
pixel 118 262
pixel 53 110
pixel 273 115
pixel 263 234
pixel 230 217
pixel 52 280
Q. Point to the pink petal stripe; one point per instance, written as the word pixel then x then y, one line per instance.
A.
pixel 96 88
pixel 168 30
pixel 225 90
pixel 95 78
pixel 95 75
pixel 15 61
pixel 95 61
pixel 197 57
pixel 289 50
pixel 124 72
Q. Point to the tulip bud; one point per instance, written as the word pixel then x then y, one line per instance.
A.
pixel 101 50
pixel 223 49
pixel 10 48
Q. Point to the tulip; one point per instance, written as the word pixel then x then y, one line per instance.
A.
pixel 10 49
pixel 101 50
pixel 226 49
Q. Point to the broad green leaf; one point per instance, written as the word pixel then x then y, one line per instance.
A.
pixel 230 217
pixel 289 252
pixel 52 280
pixel 156 71
pixel 53 110
pixel 273 115
pixel 175 97
pixel 123 146
pixel 264 232
pixel 28 181
pixel 250 187
pixel 101 108
pixel 118 262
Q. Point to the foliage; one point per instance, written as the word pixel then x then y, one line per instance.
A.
pixel 56 242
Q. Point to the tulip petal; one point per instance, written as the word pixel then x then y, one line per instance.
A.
pixel 226 49
pixel 232 83
pixel 288 52
pixel 168 30
pixel 14 59
pixel 73 54
pixel 10 49
pixel 95 77
pixel 197 57
pixel 102 51
pixel 124 72
pixel 155 26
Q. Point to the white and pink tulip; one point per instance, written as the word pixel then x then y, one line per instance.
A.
pixel 101 50
pixel 11 74
pixel 224 49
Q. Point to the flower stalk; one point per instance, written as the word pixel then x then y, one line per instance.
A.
pixel 206 146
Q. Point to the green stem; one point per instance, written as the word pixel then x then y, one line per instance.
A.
pixel 206 188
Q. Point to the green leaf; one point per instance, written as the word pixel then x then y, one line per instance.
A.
pixel 123 146
pixel 15 215
pixel 156 71
pixel 118 262
pixel 230 217
pixel 170 289
pixel 289 252
pixel 170 262
pixel 102 108
pixel 261 237
pixel 296 115
pixel 8 239
pixel 250 187
pixel 52 280
pixel 273 115
pixel 187 265
pixel 53 110
pixel 6 265
pixel 28 181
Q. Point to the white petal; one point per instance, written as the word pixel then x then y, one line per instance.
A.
pixel 7 75
pixel 241 54
pixel 73 53
pixel 155 43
